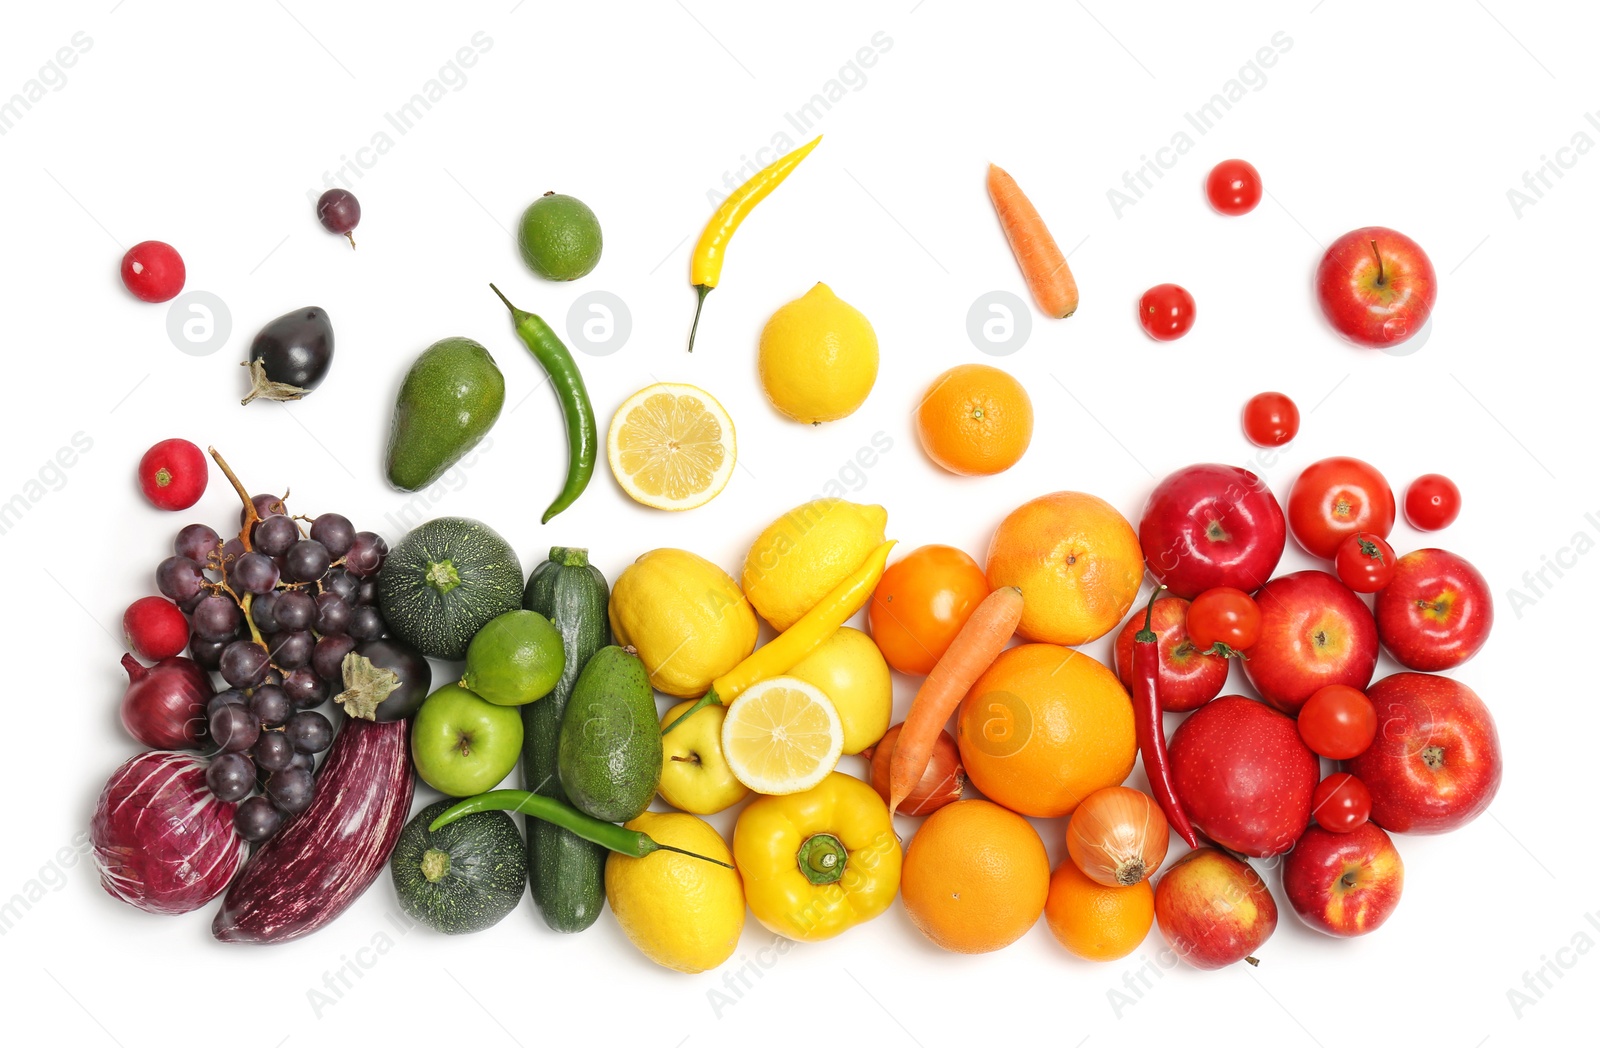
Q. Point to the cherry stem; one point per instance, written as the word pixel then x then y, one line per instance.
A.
pixel 1379 257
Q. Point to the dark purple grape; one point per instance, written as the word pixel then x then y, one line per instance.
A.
pixel 309 731
pixel 255 572
pixel 308 761
pixel 179 578
pixel 272 678
pixel 334 531
pixel 256 819
pixel 234 727
pixel 207 651
pixel 342 584
pixel 197 542
pixel 261 611
pixel 231 776
pixel 243 663
pixel 305 689
pixel 295 610
pixel 366 623
pixel 273 750
pixel 275 534
pixel 231 551
pixel 368 593
pixel 188 606
pixel 292 650
pixel 231 696
pixel 216 617
pixel 339 212
pixel 271 705
pixel 266 506
pixel 291 789
pixel 306 561
pixel 329 655
pixel 366 554
pixel 333 614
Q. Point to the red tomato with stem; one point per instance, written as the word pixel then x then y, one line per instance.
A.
pixel 1234 187
pixel 921 603
pixel 1432 502
pixel 1341 802
pixel 1335 498
pixel 1271 420
pixel 1338 722
pixel 1364 562
pixel 1225 620
pixel 1166 312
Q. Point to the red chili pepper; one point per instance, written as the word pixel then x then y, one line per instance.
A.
pixel 1147 722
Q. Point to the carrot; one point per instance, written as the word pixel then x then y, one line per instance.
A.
pixel 977 645
pixel 1044 267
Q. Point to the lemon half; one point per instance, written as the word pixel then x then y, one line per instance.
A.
pixel 671 446
pixel 782 736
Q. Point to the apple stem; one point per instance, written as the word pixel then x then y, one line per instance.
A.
pixel 1379 257
pixel 1252 962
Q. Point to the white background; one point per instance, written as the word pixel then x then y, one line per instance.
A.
pixel 205 125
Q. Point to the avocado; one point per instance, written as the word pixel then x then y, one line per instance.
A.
pixel 609 751
pixel 450 399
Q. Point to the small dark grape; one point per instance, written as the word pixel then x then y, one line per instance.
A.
pixel 291 789
pixel 366 554
pixel 256 819
pixel 342 584
pixel 328 657
pixel 261 609
pixel 301 759
pixel 305 688
pixel 216 617
pixel 295 610
pixel 335 532
pixel 339 212
pixel 229 696
pixel 243 663
pixel 234 727
pixel 188 606
pixel 179 578
pixel 255 572
pixel 309 731
pixel 368 593
pixel 231 551
pixel 207 651
pixel 197 542
pixel 272 677
pixel 230 776
pixel 293 650
pixel 333 614
pixel 273 750
pixel 306 561
pixel 271 704
pixel 366 623
pixel 266 506
pixel 274 535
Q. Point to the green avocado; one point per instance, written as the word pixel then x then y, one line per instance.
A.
pixel 609 751
pixel 449 401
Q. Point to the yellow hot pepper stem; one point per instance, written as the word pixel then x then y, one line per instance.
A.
pixel 790 647
pixel 705 267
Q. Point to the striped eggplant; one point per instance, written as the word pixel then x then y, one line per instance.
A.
pixel 323 859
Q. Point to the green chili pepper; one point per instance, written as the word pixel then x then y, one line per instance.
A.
pixel 557 362
pixel 633 843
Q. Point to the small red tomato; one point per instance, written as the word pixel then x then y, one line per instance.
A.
pixel 1271 420
pixel 1336 497
pixel 1364 562
pixel 1341 802
pixel 173 474
pixel 1432 502
pixel 1167 312
pixel 1224 616
pixel 1234 187
pixel 154 628
pixel 1338 722
pixel 153 271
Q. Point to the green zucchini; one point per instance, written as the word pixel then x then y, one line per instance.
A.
pixel 565 872
pixel 460 878
pixel 443 581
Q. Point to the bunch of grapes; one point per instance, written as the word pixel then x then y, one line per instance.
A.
pixel 275 610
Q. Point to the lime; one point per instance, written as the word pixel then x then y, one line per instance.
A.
pixel 559 237
pixel 514 659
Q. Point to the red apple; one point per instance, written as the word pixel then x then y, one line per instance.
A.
pixel 1244 775
pixel 1344 883
pixel 1211 525
pixel 1436 612
pixel 1435 764
pixel 1188 677
pixel 1213 909
pixel 1314 632
pixel 1376 287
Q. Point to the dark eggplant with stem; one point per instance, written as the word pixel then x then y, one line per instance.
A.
pixel 290 356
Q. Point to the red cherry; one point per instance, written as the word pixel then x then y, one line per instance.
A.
pixel 153 271
pixel 1234 187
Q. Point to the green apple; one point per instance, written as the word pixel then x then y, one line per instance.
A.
pixel 463 744
pixel 695 777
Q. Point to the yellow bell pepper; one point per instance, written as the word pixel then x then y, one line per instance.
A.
pixel 818 862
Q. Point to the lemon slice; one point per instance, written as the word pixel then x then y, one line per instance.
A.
pixel 782 736
pixel 671 446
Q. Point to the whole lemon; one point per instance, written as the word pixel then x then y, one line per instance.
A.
pixel 819 357
pixel 849 669
pixel 685 617
pixel 681 912
pixel 805 553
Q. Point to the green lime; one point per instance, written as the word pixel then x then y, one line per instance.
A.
pixel 514 659
pixel 559 237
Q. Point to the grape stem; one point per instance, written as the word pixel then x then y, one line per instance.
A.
pixel 251 519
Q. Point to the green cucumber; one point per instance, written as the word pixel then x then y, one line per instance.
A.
pixel 565 872
pixel 609 755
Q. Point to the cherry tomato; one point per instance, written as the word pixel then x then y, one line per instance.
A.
pixel 1226 616
pixel 1341 802
pixel 1271 420
pixel 1234 187
pixel 921 603
pixel 1335 498
pixel 1167 312
pixel 1338 722
pixel 1364 562
pixel 1432 502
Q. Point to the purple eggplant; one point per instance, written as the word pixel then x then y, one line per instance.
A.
pixel 326 857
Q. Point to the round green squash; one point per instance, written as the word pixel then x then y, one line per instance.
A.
pixel 443 581
pixel 463 877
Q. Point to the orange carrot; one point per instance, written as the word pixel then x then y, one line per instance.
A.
pixel 977 645
pixel 1043 265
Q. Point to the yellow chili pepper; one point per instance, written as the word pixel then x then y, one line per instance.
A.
pixel 706 267
pixel 788 648
pixel 818 862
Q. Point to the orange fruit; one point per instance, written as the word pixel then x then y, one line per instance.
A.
pixel 975 877
pixel 1076 560
pixel 975 420
pixel 1093 921
pixel 1044 727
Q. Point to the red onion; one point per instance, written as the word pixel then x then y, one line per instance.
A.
pixel 162 841
pixel 165 704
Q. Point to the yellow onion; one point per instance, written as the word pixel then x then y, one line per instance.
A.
pixel 1118 836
